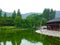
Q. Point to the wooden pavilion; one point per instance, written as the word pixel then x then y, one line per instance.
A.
pixel 53 24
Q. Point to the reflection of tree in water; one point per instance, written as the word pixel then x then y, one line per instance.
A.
pixel 13 37
pixel 29 35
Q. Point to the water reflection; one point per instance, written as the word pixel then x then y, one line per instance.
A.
pixel 26 42
pixel 23 42
pixel 26 37
pixel 15 38
pixel 7 43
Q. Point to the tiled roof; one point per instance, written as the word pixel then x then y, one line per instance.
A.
pixel 54 20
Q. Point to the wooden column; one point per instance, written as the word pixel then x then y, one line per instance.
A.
pixel 47 27
pixel 50 27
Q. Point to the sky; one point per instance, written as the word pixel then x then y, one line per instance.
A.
pixel 27 6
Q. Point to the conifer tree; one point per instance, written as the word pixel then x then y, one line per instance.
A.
pixel 14 14
pixel 5 15
pixel 0 12
pixel 18 13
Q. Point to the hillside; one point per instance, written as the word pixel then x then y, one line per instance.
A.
pixel 26 14
pixel 23 15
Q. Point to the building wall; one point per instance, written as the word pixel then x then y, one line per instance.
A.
pixel 54 26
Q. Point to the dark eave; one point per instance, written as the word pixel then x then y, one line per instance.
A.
pixel 54 20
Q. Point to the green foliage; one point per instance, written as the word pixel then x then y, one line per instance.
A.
pixel 52 14
pixel 18 13
pixel 32 21
pixel 14 14
pixel 49 14
pixel 0 12
pixel 43 21
pixel 6 22
pixel 16 36
pixel 17 21
pixel 36 20
pixel 5 15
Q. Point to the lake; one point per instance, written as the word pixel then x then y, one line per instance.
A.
pixel 26 37
pixel 23 42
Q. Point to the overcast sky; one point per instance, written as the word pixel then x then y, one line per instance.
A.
pixel 26 6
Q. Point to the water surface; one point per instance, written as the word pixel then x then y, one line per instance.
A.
pixel 26 37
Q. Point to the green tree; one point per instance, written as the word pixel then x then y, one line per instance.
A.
pixel 43 21
pixel 46 13
pixel 5 15
pixel 0 12
pixel 17 21
pixel 14 14
pixel 49 14
pixel 35 20
pixel 52 13
pixel 18 13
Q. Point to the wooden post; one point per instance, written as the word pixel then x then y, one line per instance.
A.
pixel 47 27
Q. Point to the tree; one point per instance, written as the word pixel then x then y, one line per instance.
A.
pixel 52 13
pixel 14 14
pixel 5 15
pixel 35 20
pixel 49 14
pixel 43 21
pixel 0 12
pixel 17 21
pixel 46 13
pixel 18 13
